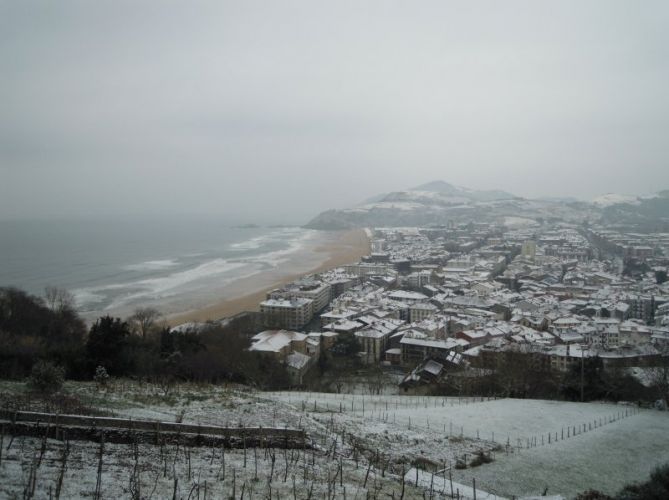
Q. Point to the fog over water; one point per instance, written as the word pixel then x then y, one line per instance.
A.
pixel 274 111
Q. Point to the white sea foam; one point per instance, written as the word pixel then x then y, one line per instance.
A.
pixel 251 244
pixel 85 297
pixel 156 288
pixel 152 265
pixel 274 237
pixel 216 273
pixel 277 257
pixel 152 288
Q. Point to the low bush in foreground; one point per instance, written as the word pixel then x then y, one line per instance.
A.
pixel 656 488
pixel 46 378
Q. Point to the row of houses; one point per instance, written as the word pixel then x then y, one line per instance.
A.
pixel 424 294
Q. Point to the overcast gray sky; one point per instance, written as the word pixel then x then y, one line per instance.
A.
pixel 283 109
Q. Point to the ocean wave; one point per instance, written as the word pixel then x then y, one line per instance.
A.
pixel 152 265
pixel 251 244
pixel 211 274
pixel 278 236
pixel 157 288
pixel 85 296
pixel 151 288
pixel 276 257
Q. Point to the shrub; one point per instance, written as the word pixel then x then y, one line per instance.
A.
pixel 480 458
pixel 460 464
pixel 101 376
pixel 46 378
pixel 656 488
pixel 593 495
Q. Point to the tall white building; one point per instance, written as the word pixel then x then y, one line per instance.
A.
pixel 529 249
pixel 287 313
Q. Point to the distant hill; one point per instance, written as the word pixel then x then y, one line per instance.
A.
pixel 647 212
pixel 438 203
pixel 445 189
pixel 609 199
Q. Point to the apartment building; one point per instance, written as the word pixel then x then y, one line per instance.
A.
pixel 287 313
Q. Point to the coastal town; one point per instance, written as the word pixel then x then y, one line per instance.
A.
pixel 334 250
pixel 448 362
pixel 468 350
pixel 438 301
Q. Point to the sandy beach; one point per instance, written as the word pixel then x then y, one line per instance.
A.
pixel 330 250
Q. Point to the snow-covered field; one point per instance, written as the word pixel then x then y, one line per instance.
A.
pixel 560 446
pixel 605 459
pixel 500 420
pixel 372 440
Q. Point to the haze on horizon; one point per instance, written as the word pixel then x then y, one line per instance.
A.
pixel 279 110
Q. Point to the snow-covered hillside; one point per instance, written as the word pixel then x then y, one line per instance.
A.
pixel 438 203
pixel 360 446
pixel 606 200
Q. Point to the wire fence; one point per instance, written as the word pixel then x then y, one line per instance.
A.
pixel 388 410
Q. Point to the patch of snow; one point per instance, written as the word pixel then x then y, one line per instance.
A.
pixel 518 222
pixel 606 200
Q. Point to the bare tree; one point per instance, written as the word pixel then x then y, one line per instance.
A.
pixel 375 381
pixel 58 299
pixel 658 375
pixel 144 318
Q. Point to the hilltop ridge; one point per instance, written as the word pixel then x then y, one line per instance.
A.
pixel 439 202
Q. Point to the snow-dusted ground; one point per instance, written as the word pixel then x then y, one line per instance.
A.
pixel 606 200
pixel 297 473
pixel 445 484
pixel 613 445
pixel 199 473
pixel 605 459
pixel 518 222
pixel 501 420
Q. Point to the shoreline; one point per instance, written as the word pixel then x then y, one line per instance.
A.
pixel 346 247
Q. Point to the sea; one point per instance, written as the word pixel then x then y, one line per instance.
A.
pixel 114 265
